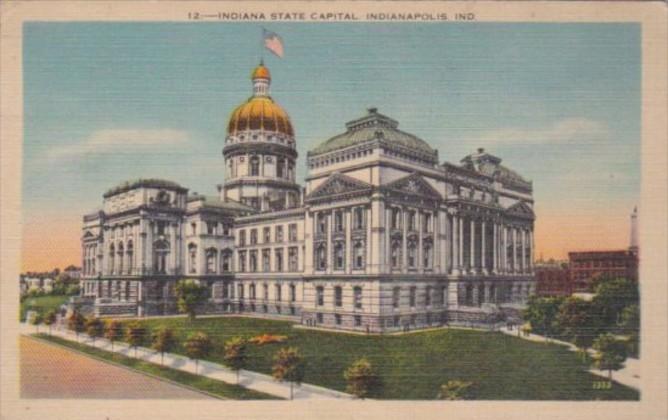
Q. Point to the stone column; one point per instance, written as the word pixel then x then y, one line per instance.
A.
pixel 514 247
pixel 330 243
pixel 404 243
pixel 461 243
pixel 483 248
pixel 454 244
pixel 495 247
pixel 524 250
pixel 347 226
pixel 531 250
pixel 418 251
pixel 472 266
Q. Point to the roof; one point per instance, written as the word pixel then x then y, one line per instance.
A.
pixel 144 183
pixel 215 202
pixel 372 126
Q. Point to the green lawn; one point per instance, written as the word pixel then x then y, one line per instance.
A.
pixel 42 304
pixel 212 386
pixel 413 366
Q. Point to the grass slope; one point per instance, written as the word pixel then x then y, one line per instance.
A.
pixel 212 386
pixel 413 366
pixel 42 304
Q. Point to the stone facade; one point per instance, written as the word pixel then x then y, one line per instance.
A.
pixel 382 237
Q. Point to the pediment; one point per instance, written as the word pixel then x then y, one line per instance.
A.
pixel 413 184
pixel 338 184
pixel 521 209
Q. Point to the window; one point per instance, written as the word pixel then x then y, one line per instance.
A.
pixel 412 297
pixel 192 253
pixel 193 228
pixel 396 218
pixel 279 234
pixel 266 235
pixel 319 318
pixel 358 255
pixel 278 259
pixel 322 223
pixel 396 254
pixel 337 319
pixel 427 297
pixel 338 221
pixel 411 220
pixel 293 293
pixel 357 296
pixel 266 260
pixel 338 296
pixel 339 256
pixel 253 236
pixel 277 291
pixel 211 228
pixel 280 168
pixel 320 295
pixel 395 297
pixel 427 256
pixel 358 321
pixel 252 291
pixel 242 261
pixel 253 261
pixel 293 257
pixel 468 297
pixel 265 291
pixel 254 166
pixel 240 291
pixel 112 255
pixel 359 218
pixel 226 230
pixel 411 254
pixel 292 232
pixel 225 261
pixel 242 238
pixel 130 255
pixel 426 223
pixel 396 321
pixel 211 261
pixel 321 257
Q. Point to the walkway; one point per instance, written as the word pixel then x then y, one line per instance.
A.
pixel 629 375
pixel 251 380
pixel 52 371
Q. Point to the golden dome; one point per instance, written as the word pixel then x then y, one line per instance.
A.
pixel 261 72
pixel 260 113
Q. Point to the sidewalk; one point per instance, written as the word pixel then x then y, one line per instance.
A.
pixel 248 379
pixel 629 375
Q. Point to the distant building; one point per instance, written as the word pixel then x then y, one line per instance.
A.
pixel 553 280
pixel 73 272
pixel 588 265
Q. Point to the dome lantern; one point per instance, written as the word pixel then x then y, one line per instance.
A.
pixel 261 80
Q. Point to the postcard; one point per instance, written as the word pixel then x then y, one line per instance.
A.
pixel 333 209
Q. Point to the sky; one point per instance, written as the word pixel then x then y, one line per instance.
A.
pixel 107 102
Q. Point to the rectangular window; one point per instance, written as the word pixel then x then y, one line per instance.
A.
pixel 358 321
pixel 292 310
pixel 266 260
pixel 278 257
pixel 240 291
pixel 292 232
pixel 357 294
pixel 338 296
pixel 279 234
pixel 266 235
pixel 359 218
pixel 337 319
pixel 319 318
pixel 253 236
pixel 211 228
pixel 395 297
pixel 427 297
pixel 293 293
pixel 265 292
pixel 277 289
pixel 253 261
pixel 338 221
pixel 320 295
pixel 242 238
pixel 293 258
pixel 251 291
pixel 412 296
pixel 242 261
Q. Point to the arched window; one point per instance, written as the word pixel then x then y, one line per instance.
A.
pixel 339 256
pixel 112 255
pixel 254 166
pixel 358 254
pixel 396 254
pixel 192 258
pixel 130 255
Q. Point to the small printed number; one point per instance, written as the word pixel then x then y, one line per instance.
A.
pixel 602 385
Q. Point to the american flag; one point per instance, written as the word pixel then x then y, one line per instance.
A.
pixel 273 42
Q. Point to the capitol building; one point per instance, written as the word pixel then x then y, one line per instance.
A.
pixel 381 237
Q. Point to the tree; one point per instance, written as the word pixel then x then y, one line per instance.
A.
pixel 50 319
pixel 113 331
pixel 198 345
pixel 361 378
pixel 455 390
pixel 610 353
pixel 289 365
pixel 94 328
pixel 612 296
pixel 134 335
pixel 541 313
pixel 77 323
pixel 163 341
pixel 235 354
pixel 631 327
pixel 578 322
pixel 190 295
pixel 36 319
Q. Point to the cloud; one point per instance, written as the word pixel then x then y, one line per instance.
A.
pixel 560 132
pixel 119 141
